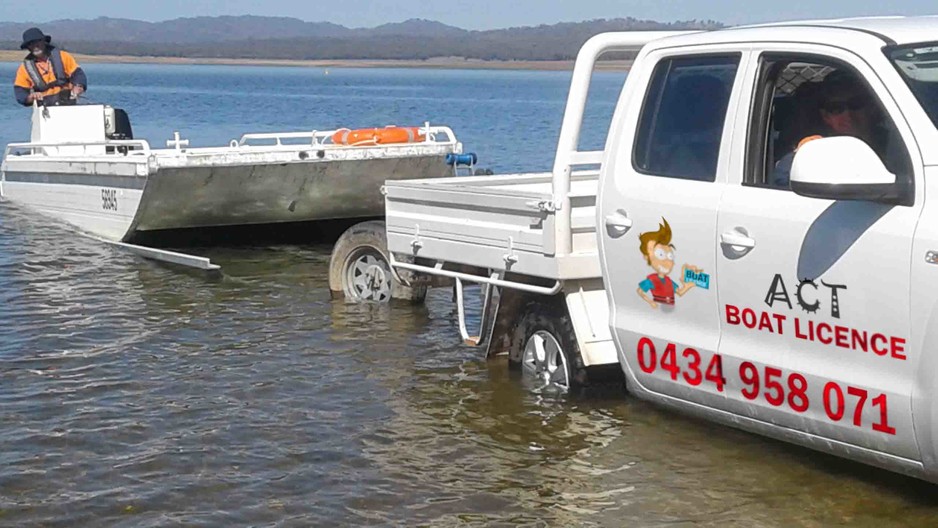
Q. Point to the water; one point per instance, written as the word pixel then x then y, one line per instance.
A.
pixel 134 394
pixel 510 118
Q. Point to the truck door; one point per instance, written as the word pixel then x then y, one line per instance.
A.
pixel 814 294
pixel 657 221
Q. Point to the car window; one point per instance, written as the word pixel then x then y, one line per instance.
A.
pixel 918 65
pixel 803 99
pixel 683 115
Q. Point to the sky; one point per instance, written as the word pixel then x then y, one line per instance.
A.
pixel 468 14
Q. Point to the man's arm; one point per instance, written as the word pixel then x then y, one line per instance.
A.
pixel 22 95
pixel 22 86
pixel 781 176
pixel 78 78
pixel 76 75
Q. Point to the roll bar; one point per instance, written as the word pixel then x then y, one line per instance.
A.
pixel 567 154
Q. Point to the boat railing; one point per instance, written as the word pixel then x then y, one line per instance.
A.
pixel 437 135
pixel 121 147
pixel 434 135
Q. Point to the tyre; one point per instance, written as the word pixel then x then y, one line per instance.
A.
pixel 544 347
pixel 359 270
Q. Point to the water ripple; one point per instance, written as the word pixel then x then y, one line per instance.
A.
pixel 134 394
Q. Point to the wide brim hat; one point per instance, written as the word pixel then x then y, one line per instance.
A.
pixel 32 35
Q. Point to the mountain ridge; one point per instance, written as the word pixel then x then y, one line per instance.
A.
pixel 263 37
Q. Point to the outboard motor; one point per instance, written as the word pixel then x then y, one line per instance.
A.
pixel 117 123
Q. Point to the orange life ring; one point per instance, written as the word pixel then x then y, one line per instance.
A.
pixel 377 136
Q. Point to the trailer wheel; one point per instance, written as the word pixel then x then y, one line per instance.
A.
pixel 359 270
pixel 544 347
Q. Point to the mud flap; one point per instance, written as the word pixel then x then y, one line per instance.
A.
pixel 588 307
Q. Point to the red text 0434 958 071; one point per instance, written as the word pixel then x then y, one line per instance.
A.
pixel 769 384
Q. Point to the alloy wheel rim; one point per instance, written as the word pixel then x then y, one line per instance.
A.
pixel 543 360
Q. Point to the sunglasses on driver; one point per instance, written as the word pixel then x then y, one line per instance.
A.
pixel 835 106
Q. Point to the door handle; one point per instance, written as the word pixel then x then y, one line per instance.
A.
pixel 618 223
pixel 737 240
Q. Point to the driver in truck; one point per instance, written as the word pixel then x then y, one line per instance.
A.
pixel 48 75
pixel 844 108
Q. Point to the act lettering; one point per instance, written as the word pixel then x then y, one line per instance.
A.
pixel 807 295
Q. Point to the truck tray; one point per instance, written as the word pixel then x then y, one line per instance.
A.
pixel 501 223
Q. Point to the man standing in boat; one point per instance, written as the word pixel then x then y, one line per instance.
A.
pixel 48 74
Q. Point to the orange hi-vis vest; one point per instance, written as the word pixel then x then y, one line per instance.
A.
pixel 47 77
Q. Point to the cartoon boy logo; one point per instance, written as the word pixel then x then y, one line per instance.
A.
pixel 659 288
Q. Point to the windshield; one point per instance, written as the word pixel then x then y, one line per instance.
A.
pixel 919 66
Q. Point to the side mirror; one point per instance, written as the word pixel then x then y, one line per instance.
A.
pixel 844 168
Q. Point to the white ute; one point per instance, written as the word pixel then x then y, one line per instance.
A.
pixel 735 271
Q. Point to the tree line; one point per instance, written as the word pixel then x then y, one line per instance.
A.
pixel 541 43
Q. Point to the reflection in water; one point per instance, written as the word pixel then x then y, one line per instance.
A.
pixel 137 394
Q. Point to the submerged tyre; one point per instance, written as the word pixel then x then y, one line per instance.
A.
pixel 359 270
pixel 544 347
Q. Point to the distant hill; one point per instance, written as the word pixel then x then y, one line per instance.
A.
pixel 257 37
pixel 180 30
pixel 414 27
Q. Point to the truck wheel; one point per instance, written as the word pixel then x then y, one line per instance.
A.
pixel 544 347
pixel 359 270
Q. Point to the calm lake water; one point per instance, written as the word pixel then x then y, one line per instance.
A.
pixel 133 394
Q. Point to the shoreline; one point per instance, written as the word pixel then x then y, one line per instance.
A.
pixel 435 63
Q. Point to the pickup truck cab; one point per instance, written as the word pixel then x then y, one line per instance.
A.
pixel 767 257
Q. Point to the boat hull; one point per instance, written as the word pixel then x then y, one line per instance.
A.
pixel 197 197
pixel 102 205
pixel 120 207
